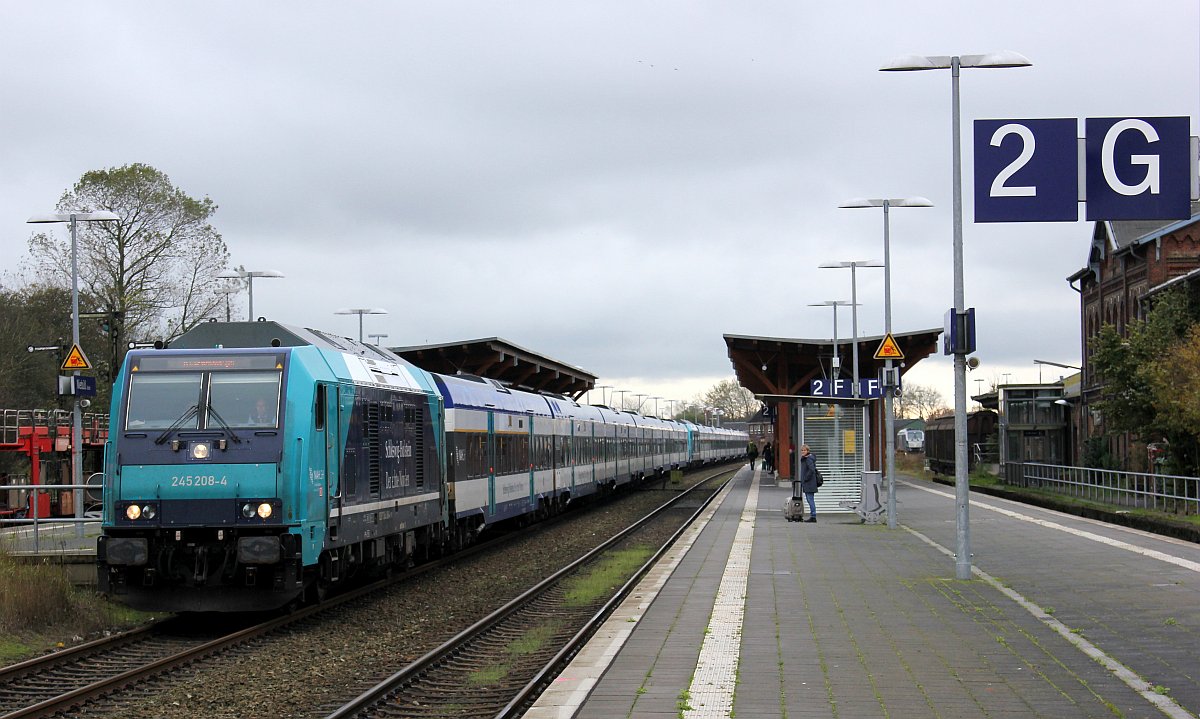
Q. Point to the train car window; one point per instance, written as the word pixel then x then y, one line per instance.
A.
pixel 157 401
pixel 245 399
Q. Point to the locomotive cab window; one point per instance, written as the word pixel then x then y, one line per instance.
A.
pixel 245 399
pixel 157 401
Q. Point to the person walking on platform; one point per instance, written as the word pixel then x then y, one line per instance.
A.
pixel 752 452
pixel 810 480
pixel 769 458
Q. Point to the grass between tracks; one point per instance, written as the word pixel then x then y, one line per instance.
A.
pixel 41 610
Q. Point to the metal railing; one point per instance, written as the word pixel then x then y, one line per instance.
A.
pixel 1161 492
pixel 31 518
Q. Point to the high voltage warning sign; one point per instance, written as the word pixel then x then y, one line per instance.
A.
pixel 888 349
pixel 76 359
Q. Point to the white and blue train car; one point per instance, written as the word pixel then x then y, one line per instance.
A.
pixel 501 463
pixel 578 429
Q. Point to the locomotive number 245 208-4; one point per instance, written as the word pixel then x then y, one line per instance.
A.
pixel 199 480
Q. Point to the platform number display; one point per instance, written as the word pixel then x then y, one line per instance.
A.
pixel 1134 169
pixel 1033 170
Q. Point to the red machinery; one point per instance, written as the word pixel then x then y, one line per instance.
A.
pixel 44 437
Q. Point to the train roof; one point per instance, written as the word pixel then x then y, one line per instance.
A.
pixel 479 393
pixel 211 335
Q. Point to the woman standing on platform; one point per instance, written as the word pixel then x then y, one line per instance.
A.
pixel 809 481
pixel 752 452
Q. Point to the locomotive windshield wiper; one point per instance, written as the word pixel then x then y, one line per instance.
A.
pixel 212 411
pixel 187 414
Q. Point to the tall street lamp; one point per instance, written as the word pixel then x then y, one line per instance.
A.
pixel 889 378
pixel 600 387
pixel 962 490
pixel 360 311
pixel 376 338
pixel 249 275
pixel 74 218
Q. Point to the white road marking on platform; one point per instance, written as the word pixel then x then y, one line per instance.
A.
pixel 715 679
pixel 1163 703
pixel 1145 552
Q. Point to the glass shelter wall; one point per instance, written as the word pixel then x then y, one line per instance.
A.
pixel 836 436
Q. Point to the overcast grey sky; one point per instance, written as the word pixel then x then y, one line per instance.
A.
pixel 614 184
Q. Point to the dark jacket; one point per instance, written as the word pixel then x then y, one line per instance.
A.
pixel 808 474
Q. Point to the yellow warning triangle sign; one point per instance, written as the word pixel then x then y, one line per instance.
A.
pixel 76 359
pixel 888 349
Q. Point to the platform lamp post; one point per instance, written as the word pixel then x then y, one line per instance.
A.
pixel 621 392
pixel 227 291
pixel 853 265
pixel 600 387
pixel 962 490
pixel 836 363
pixel 890 379
pixel 656 399
pixel 249 275
pixel 360 311
pixel 74 218
pixel 641 398
pixel 376 337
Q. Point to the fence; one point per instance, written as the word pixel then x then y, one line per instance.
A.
pixel 1161 492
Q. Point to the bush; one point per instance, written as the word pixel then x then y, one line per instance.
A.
pixel 34 597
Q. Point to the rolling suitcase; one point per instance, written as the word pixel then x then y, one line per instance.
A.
pixel 793 509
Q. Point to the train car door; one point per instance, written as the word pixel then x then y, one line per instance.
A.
pixel 534 458
pixel 330 418
pixel 491 462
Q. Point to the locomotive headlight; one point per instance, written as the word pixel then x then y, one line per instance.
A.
pixel 200 450
pixel 248 510
pixel 264 510
pixel 133 511
pixel 148 512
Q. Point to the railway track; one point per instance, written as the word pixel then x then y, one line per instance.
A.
pixel 110 674
pixel 498 665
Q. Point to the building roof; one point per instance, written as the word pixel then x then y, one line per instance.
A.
pixel 1127 235
pixel 497 358
pixel 784 366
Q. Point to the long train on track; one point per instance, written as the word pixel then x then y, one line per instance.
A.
pixel 254 464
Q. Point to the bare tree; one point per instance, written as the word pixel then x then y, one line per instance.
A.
pixel 156 269
pixel 735 401
pixel 918 401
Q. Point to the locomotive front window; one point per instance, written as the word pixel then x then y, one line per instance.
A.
pixel 244 399
pixel 157 401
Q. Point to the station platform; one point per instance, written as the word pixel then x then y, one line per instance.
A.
pixel 71 544
pixel 752 616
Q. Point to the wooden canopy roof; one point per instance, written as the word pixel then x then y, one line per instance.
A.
pixel 783 366
pixel 499 359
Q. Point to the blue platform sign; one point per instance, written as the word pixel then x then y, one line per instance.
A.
pixel 85 386
pixel 867 388
pixel 1138 168
pixel 1026 171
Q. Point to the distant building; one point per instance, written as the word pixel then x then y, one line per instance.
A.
pixel 1128 262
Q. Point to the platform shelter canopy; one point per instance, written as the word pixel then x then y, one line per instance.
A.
pixel 787 366
pixel 499 359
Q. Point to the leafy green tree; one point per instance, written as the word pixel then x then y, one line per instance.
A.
pixel 1141 375
pixel 154 271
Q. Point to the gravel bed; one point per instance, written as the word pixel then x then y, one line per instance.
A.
pixel 323 663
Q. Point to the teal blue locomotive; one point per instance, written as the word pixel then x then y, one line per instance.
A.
pixel 253 465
